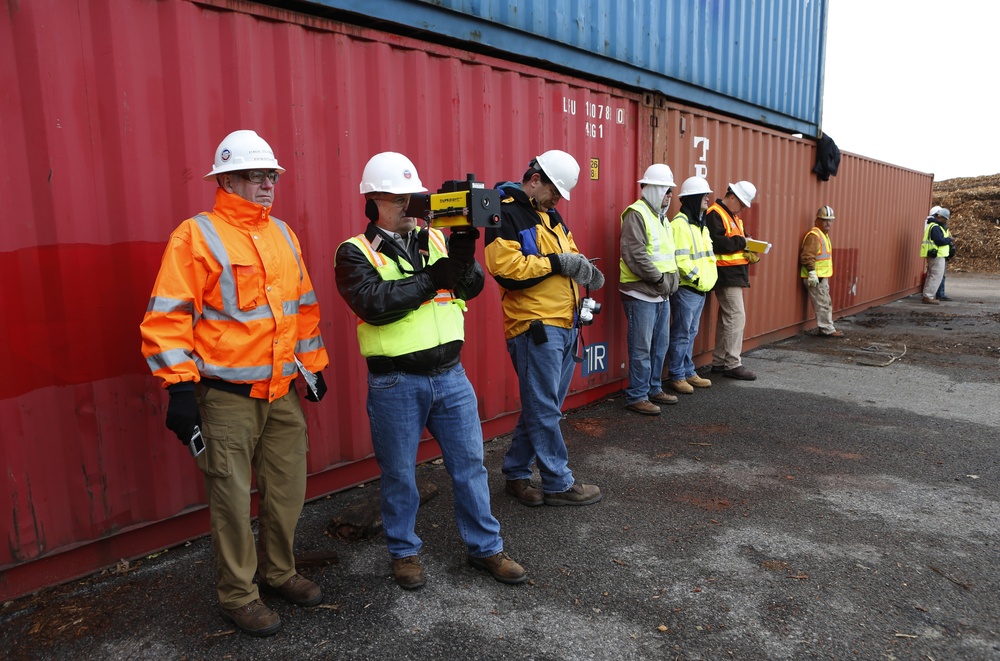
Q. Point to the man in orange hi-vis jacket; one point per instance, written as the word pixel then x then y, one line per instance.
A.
pixel 231 322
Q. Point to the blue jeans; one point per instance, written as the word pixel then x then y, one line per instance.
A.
pixel 940 292
pixel 685 315
pixel 543 375
pixel 400 405
pixel 648 337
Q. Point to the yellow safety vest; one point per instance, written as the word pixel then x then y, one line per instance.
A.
pixel 659 243
pixel 824 258
pixel 693 251
pixel 942 251
pixel 436 322
pixel 734 227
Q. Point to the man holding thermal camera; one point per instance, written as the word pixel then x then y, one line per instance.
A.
pixel 540 271
pixel 408 288
pixel 231 322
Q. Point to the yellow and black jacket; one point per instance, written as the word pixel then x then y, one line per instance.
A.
pixel 521 256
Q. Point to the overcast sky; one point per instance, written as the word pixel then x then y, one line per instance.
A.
pixel 914 83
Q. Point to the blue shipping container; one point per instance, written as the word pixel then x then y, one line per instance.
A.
pixel 759 60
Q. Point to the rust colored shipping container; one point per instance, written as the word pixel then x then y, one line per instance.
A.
pixel 112 111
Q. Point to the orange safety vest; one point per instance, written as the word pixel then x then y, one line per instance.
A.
pixel 734 227
pixel 233 301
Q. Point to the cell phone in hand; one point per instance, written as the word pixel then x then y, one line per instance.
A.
pixel 197 444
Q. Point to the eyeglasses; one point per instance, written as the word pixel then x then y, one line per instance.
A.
pixel 670 191
pixel 258 176
pixel 399 201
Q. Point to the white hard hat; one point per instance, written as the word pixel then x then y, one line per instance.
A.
pixel 243 150
pixel 695 186
pixel 745 191
pixel 944 213
pixel 934 210
pixel 561 169
pixel 390 172
pixel 658 174
pixel 826 213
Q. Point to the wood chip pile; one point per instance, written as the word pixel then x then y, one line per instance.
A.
pixel 975 221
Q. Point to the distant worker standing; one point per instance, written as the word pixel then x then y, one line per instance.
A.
pixel 941 295
pixel 816 269
pixel 697 275
pixel 648 278
pixel 936 247
pixel 729 243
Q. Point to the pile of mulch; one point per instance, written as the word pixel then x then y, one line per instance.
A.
pixel 975 221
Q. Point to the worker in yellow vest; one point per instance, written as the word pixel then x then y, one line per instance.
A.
pixel 408 288
pixel 816 269
pixel 729 243
pixel 936 248
pixel 648 276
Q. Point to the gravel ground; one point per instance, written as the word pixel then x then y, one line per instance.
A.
pixel 844 505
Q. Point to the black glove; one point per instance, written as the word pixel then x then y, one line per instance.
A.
pixel 462 246
pixel 320 389
pixel 445 273
pixel 932 252
pixel 182 413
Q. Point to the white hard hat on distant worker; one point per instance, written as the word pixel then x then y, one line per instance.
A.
pixel 943 213
pixel 658 174
pixel 561 169
pixel 390 172
pixel 825 213
pixel 243 150
pixel 745 191
pixel 934 210
pixel 695 186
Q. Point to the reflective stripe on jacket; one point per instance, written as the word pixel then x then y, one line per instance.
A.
pixel 659 242
pixel 733 227
pixel 436 322
pixel 928 243
pixel 233 301
pixel 824 255
pixel 693 252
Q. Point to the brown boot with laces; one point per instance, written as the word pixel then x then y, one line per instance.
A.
pixel 502 567
pixel 300 591
pixel 254 618
pixel 408 573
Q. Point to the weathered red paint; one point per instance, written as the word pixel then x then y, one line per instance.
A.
pixel 112 111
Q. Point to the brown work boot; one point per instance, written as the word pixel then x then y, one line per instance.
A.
pixel 254 618
pixel 930 301
pixel 683 387
pixel 502 566
pixel 699 382
pixel 299 591
pixel 578 494
pixel 408 573
pixel 526 494
pixel 741 373
pixel 644 407
pixel 663 398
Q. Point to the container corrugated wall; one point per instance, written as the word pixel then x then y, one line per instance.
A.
pixel 112 110
pixel 761 61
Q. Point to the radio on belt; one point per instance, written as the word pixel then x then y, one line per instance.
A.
pixel 458 204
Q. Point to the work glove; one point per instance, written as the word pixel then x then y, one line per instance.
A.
pixel 183 414
pixel 462 246
pixel 320 389
pixel 812 280
pixel 751 256
pixel 932 252
pixel 445 273
pixel 579 269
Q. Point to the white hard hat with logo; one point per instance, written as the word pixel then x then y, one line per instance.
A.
pixel 695 186
pixel 658 174
pixel 243 150
pixel 561 169
pixel 826 213
pixel 390 172
pixel 745 191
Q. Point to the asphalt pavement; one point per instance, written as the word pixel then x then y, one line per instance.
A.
pixel 845 505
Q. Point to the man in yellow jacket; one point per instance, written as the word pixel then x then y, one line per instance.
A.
pixel 816 269
pixel 231 323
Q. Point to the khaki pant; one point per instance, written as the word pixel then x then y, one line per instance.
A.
pixel 729 329
pixel 269 438
pixel 822 305
pixel 935 271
